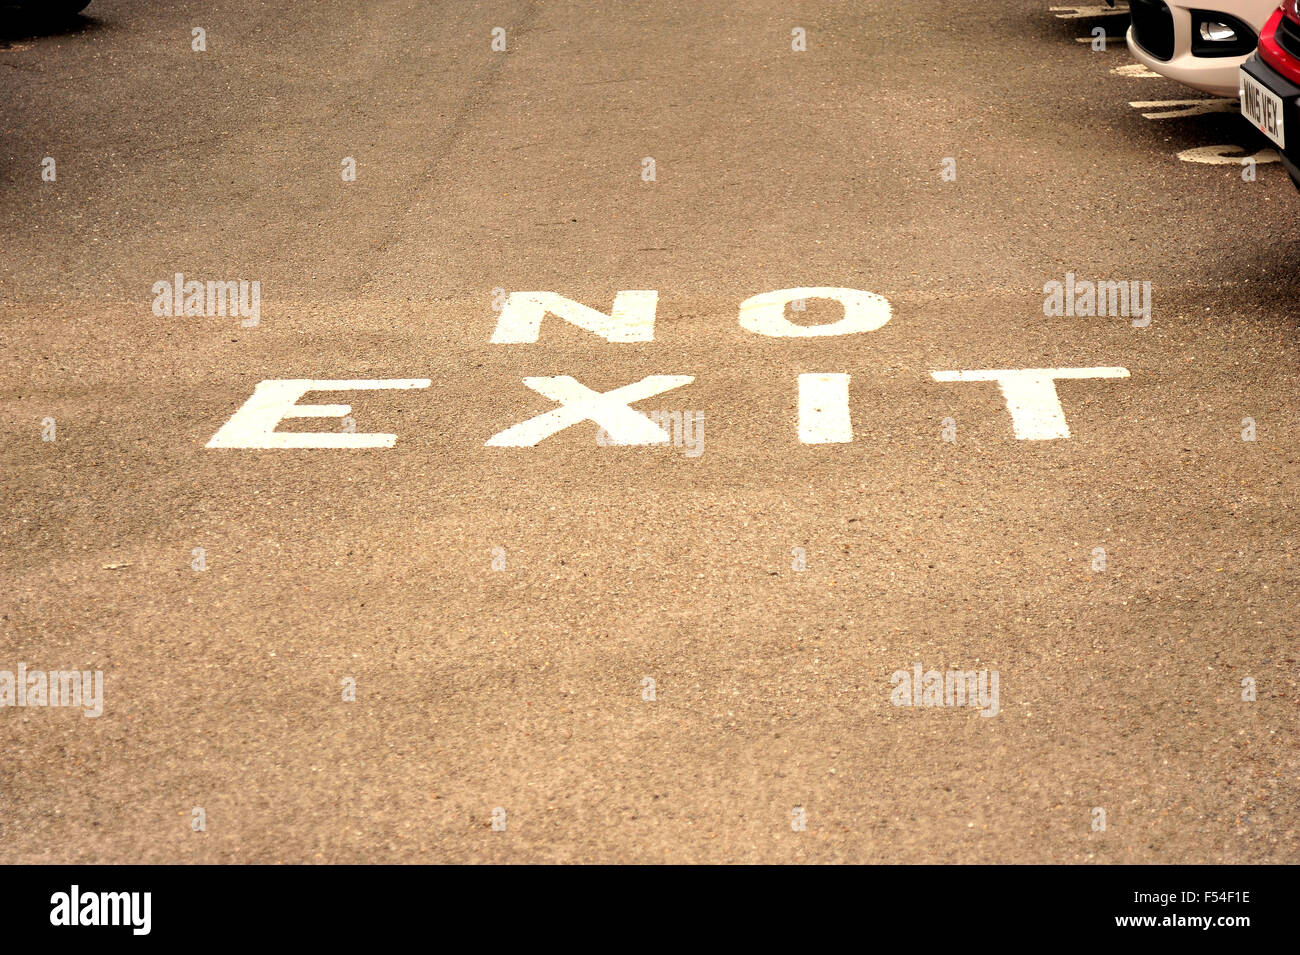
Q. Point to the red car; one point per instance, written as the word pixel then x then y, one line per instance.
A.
pixel 1270 85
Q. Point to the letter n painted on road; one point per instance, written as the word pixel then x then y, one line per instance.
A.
pixel 631 320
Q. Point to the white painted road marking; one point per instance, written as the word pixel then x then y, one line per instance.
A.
pixel 1088 12
pixel 1179 108
pixel 253 425
pixel 1223 155
pixel 824 409
pixel 1030 393
pixel 823 399
pixel 579 403
pixel 631 320
pixel 765 314
pixel 1136 70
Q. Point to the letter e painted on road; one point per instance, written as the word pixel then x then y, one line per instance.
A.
pixel 253 425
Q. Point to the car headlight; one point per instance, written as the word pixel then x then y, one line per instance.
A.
pixel 1215 32
pixel 1221 34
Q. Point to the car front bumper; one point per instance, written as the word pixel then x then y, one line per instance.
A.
pixel 1161 40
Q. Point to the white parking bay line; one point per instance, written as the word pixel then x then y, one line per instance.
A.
pixel 1085 12
pixel 1178 108
pixel 1137 71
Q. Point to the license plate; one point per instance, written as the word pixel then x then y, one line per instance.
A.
pixel 1262 107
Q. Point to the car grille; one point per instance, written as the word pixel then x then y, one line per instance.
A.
pixel 1288 37
pixel 1153 27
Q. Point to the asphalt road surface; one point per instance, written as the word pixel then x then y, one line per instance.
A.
pixel 586 650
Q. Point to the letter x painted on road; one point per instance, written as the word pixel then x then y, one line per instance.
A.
pixel 579 403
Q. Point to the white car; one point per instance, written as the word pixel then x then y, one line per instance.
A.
pixel 1201 44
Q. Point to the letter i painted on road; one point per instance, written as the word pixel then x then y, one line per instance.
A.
pixel 824 409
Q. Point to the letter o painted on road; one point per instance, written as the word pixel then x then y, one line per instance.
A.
pixel 765 314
